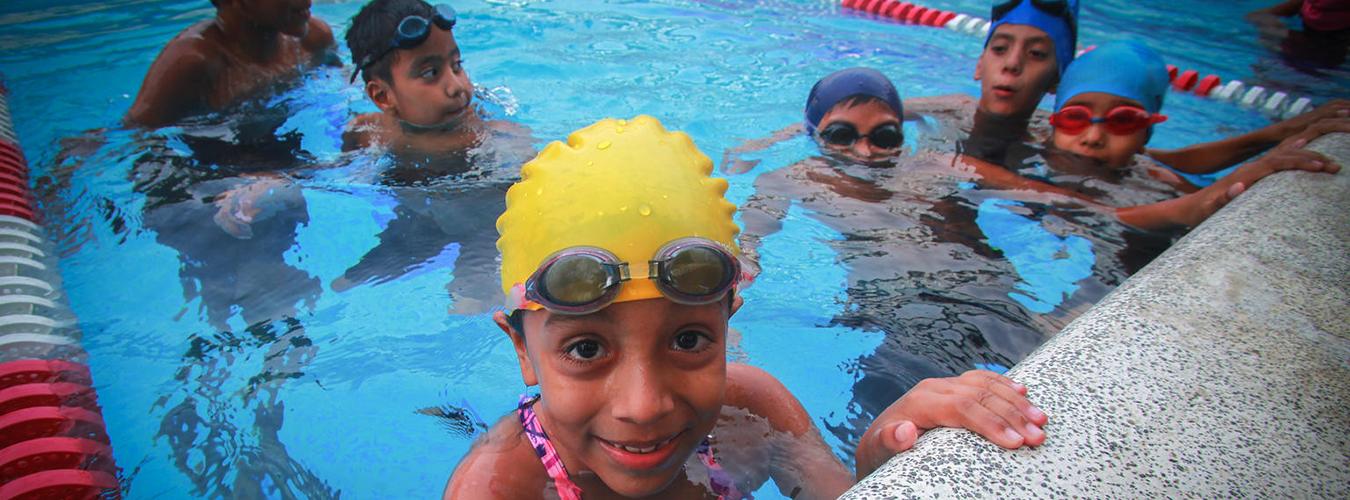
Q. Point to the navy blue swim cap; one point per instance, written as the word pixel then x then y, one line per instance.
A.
pixel 1057 18
pixel 1127 69
pixel 846 83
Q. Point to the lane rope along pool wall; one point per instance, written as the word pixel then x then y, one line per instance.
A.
pixel 53 442
pixel 1277 104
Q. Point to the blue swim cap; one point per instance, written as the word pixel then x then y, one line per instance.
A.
pixel 1126 69
pixel 1062 27
pixel 846 83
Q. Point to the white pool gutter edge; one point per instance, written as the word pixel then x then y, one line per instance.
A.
pixel 1222 369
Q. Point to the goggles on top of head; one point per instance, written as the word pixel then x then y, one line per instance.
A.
pixel 1121 120
pixel 1057 8
pixel 411 32
pixel 844 134
pixel 582 280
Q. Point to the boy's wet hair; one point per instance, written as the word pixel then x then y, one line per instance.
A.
pixel 373 30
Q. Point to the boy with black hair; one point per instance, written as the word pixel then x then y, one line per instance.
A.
pixel 248 46
pixel 407 57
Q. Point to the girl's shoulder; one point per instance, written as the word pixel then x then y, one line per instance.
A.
pixel 762 394
pixel 501 464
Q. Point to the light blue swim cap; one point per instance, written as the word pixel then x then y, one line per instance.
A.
pixel 1126 69
pixel 845 83
pixel 1057 18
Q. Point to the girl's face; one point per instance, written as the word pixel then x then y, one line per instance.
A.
pixel 1016 70
pixel 629 391
pixel 1096 142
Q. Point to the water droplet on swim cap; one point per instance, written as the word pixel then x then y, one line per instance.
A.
pixel 645 209
pixel 604 145
pixel 539 191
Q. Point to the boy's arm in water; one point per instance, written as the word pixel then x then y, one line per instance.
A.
pixel 1210 157
pixel 762 215
pixel 732 164
pixel 1192 209
pixel 985 402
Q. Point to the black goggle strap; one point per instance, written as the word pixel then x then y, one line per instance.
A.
pixel 409 33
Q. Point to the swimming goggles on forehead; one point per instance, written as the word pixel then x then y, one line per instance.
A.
pixel 411 32
pixel 844 134
pixel 1121 120
pixel 582 280
pixel 1057 8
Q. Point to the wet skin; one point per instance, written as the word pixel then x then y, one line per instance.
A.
pixel 864 117
pixel 1016 70
pixel 1115 151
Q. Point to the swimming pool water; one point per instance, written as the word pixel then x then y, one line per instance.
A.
pixel 329 396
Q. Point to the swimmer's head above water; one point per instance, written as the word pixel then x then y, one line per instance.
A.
pixel 856 113
pixel 1030 44
pixel 406 54
pixel 1108 102
pixel 619 264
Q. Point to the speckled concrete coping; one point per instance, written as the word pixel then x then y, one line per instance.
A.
pixel 1221 370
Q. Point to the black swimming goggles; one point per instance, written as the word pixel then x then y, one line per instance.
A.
pixel 582 280
pixel 844 134
pixel 411 32
pixel 1057 8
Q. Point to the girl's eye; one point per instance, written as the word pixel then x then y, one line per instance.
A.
pixel 428 74
pixel 690 340
pixel 457 66
pixel 1040 54
pixel 585 350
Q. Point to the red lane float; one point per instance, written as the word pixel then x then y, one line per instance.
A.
pixel 53 440
pixel 1276 104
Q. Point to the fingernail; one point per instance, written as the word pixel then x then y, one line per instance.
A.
pixel 1018 386
pixel 1034 431
pixel 1012 435
pixel 1036 413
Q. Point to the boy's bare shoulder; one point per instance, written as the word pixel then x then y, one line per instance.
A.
pixel 762 394
pixel 318 37
pixel 501 465
pixel 363 131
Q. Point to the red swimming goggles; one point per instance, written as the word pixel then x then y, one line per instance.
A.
pixel 1122 120
pixel 582 280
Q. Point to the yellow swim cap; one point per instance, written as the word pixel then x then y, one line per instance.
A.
pixel 627 186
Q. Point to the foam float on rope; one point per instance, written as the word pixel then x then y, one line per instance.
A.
pixel 53 441
pixel 1275 104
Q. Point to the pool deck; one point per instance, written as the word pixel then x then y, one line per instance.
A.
pixel 1220 370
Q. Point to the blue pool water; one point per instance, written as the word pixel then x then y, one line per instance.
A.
pixel 230 367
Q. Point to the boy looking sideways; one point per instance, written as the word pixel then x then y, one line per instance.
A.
pixel 412 69
pixel 240 53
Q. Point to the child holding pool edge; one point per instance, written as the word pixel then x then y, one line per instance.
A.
pixel 1110 99
pixel 677 419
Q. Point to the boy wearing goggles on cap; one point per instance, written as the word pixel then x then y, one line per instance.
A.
pixel 246 48
pixel 1108 103
pixel 620 268
pixel 406 55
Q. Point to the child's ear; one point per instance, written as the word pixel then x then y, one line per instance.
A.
pixel 979 65
pixel 381 94
pixel 517 341
pixel 736 302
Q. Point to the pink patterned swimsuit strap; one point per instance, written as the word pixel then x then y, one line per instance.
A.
pixel 722 484
pixel 567 490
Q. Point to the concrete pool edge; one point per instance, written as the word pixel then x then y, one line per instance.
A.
pixel 1221 369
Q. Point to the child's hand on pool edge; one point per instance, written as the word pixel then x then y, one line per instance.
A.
pixel 985 402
